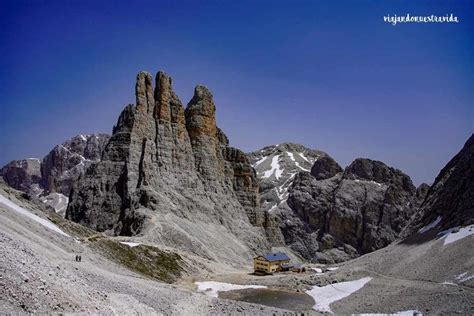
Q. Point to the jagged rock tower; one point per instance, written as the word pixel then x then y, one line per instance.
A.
pixel 169 175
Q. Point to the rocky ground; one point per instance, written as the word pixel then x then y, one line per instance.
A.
pixel 429 277
pixel 39 274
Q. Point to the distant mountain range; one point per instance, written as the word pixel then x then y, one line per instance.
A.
pixel 50 179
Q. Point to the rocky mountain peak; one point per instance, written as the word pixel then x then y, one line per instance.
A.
pixel 165 99
pixel 364 169
pixel 276 167
pixel 166 167
pixel 331 214
pixel 63 165
pixel 449 202
pixel 325 168
pixel 50 179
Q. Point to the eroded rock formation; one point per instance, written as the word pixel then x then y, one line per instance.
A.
pixel 168 174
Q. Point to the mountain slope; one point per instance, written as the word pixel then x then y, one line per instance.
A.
pixel 40 276
pixel 432 268
pixel 450 200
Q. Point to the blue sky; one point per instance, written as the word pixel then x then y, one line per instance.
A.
pixel 328 74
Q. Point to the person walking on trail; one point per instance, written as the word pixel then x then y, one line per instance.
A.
pixel 77 258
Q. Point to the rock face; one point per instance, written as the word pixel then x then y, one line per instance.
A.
pixel 23 175
pixel 50 179
pixel 168 174
pixel 276 167
pixel 356 211
pixel 63 165
pixel 449 202
pixel 325 168
pixel 327 213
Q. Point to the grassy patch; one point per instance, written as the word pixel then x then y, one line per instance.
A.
pixel 70 227
pixel 147 260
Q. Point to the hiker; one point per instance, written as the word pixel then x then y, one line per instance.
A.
pixel 77 258
pixel 80 258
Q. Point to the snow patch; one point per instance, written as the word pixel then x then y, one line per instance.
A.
pixel 130 244
pixel 402 313
pixel 332 269
pixel 326 295
pixel 317 270
pixel 463 277
pixel 5 201
pixel 275 168
pixel 57 201
pixel 260 161
pixel 83 137
pixel 213 288
pixel 304 157
pixel 430 225
pixel 367 181
pixel 450 236
pixel 298 165
pixel 292 157
pixel 272 208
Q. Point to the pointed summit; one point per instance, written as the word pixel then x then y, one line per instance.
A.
pixel 144 93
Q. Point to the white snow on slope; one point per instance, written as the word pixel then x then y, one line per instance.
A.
pixel 57 201
pixel 275 168
pixel 402 313
pixel 272 208
pixel 430 225
pixel 298 165
pixel 454 234
pixel 292 157
pixel 10 204
pixel 463 277
pixel 304 157
pixel 282 190
pixel 366 181
pixel 212 288
pixel 260 161
pixel 130 244
pixel 326 295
